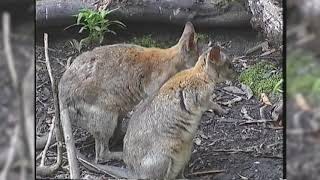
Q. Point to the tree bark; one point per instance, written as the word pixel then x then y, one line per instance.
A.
pixel 207 13
pixel 267 17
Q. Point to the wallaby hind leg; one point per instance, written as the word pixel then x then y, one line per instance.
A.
pixel 103 153
pixel 181 174
pixel 158 166
pixel 103 130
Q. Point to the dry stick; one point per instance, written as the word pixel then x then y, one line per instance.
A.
pixel 93 167
pixel 42 141
pixel 65 122
pixel 206 172
pixel 48 170
pixel 48 142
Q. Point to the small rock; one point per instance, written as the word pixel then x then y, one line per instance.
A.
pixel 234 90
pixel 247 90
pixel 45 94
pixel 197 141
pixel 202 135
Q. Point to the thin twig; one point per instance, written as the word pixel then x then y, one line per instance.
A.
pixel 47 59
pixel 47 170
pixel 92 166
pixel 256 121
pixel 48 142
pixel 206 172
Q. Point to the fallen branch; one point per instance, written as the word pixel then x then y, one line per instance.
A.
pixel 232 150
pixel 267 16
pixel 259 47
pixel 92 166
pixel 202 14
pixel 256 121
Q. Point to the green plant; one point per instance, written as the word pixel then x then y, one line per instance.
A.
pixel 145 41
pixel 203 37
pixel 278 87
pixel 148 41
pixel 96 24
pixel 76 45
pixel 262 78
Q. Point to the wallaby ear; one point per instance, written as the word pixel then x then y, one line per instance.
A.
pixel 188 28
pixel 187 37
pixel 214 55
pixel 191 43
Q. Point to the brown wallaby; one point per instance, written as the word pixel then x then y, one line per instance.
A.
pixel 158 141
pixel 101 86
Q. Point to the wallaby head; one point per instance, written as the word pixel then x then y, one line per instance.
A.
pixel 188 46
pixel 217 65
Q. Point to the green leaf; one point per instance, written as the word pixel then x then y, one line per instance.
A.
pixel 101 39
pixel 70 26
pixel 110 31
pixel 79 18
pixel 110 11
pixel 97 28
pixel 103 14
pixel 121 24
pixel 82 28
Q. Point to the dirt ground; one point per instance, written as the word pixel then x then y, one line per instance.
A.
pixel 227 142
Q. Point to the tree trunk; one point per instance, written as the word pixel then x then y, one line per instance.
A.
pixel 208 13
pixel 267 17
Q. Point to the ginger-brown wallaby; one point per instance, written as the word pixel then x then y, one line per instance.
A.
pixel 101 86
pixel 158 141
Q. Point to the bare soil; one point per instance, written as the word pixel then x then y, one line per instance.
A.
pixel 223 142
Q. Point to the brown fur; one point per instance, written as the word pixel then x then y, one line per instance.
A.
pixel 103 85
pixel 159 138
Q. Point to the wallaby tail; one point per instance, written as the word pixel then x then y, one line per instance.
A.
pixel 115 172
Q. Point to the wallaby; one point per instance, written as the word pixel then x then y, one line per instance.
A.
pixel 158 141
pixel 101 86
